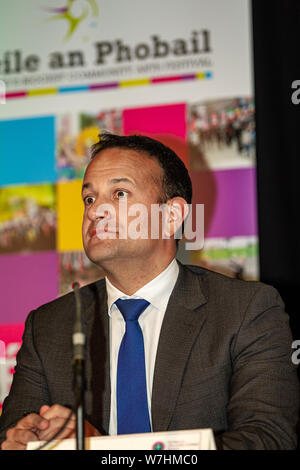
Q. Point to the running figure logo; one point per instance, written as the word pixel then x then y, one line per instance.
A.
pixel 75 12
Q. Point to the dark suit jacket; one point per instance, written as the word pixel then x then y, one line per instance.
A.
pixel 223 362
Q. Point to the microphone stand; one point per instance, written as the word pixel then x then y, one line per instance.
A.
pixel 78 340
pixel 80 408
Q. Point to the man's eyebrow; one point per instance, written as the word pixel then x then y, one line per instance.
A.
pixel 86 186
pixel 121 180
pixel 112 181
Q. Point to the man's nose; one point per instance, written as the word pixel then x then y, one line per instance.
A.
pixel 99 211
pixel 91 212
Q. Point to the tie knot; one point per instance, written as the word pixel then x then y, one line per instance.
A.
pixel 131 309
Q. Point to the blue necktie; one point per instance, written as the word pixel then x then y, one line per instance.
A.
pixel 132 405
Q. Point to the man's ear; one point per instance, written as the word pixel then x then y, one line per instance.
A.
pixel 176 212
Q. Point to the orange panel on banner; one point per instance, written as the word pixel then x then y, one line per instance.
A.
pixel 69 216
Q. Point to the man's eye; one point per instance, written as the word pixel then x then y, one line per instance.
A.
pixel 120 194
pixel 88 200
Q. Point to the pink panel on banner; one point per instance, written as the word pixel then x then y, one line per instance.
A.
pixel 166 123
pixel 11 333
pixel 29 281
pixel 229 198
pixel 10 342
pixel 168 119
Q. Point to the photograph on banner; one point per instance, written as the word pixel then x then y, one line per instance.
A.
pixel 235 257
pixel 27 218
pixel 76 133
pixel 10 342
pixel 75 266
pixel 222 134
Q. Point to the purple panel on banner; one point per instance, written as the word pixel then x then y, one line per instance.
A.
pixel 27 281
pixel 229 198
pixel 100 86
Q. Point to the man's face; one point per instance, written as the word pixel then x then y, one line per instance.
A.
pixel 118 178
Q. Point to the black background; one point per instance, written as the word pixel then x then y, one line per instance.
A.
pixel 276 38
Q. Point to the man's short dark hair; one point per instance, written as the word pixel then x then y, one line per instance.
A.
pixel 176 180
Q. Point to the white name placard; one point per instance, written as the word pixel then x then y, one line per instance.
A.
pixel 194 439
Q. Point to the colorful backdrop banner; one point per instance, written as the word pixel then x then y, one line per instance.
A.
pixel 180 72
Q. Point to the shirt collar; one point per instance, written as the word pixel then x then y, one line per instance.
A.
pixel 157 292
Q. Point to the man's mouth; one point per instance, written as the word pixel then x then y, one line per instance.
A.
pixel 102 233
pixel 92 232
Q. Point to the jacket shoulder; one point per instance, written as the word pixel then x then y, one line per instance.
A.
pixel 64 306
pixel 231 290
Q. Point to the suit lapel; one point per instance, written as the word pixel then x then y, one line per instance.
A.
pixel 98 363
pixel 182 323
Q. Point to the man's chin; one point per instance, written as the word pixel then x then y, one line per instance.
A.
pixel 100 250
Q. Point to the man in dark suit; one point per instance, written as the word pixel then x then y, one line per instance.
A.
pixel 217 351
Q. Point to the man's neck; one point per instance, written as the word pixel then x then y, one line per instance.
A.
pixel 131 277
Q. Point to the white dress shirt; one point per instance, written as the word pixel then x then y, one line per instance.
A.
pixel 157 292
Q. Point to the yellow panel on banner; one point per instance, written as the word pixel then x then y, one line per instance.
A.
pixel 69 216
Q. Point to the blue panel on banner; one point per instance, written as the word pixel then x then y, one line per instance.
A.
pixel 27 151
pixel 72 89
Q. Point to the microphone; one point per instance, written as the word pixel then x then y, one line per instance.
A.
pixel 78 337
pixel 78 361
